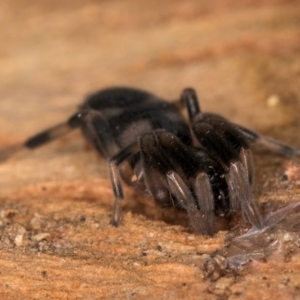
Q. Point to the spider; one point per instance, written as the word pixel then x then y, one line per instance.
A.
pixel 203 165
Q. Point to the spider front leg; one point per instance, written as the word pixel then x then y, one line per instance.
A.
pixel 202 218
pixel 272 144
pixel 229 147
pixel 190 100
pixel 174 174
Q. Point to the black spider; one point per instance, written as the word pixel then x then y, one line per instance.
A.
pixel 203 165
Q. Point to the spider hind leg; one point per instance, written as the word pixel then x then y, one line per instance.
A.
pixel 43 137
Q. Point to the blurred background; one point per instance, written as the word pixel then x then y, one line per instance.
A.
pixel 241 56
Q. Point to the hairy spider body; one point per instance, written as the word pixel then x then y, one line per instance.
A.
pixel 203 165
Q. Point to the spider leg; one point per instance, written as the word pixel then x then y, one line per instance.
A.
pixel 43 137
pixel 187 165
pixel 190 100
pixel 114 173
pixel 197 217
pixel 155 166
pixel 97 130
pixel 9 151
pixel 215 143
pixel 161 154
pixel 93 124
pixel 240 192
pixel 247 160
pixel 228 146
pixel 272 144
pixel 205 201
